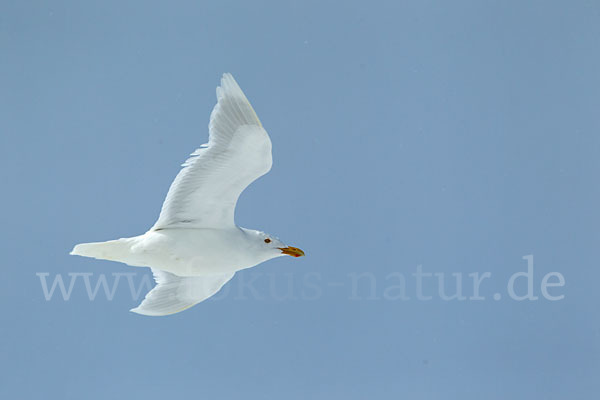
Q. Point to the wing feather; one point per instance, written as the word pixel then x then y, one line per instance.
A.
pixel 205 192
pixel 173 294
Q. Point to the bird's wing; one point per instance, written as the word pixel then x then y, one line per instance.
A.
pixel 205 192
pixel 173 294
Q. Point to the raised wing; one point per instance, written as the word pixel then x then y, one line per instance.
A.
pixel 205 192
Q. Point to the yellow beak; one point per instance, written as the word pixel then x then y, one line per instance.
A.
pixel 291 251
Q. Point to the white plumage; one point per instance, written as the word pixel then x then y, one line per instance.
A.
pixel 205 191
pixel 194 247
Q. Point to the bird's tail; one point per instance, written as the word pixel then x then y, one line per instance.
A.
pixel 113 250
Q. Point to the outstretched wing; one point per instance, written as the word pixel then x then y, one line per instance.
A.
pixel 173 293
pixel 205 192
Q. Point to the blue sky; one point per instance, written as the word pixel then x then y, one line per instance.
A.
pixel 455 136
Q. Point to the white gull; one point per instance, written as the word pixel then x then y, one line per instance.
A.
pixel 195 247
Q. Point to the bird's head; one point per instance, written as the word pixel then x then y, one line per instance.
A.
pixel 272 246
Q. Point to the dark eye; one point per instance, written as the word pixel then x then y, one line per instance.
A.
pixel 267 240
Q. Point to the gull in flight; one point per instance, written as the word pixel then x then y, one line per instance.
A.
pixel 195 247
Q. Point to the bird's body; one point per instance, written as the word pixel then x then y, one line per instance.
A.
pixel 194 247
pixel 215 251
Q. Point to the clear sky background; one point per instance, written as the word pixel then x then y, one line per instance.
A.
pixel 460 136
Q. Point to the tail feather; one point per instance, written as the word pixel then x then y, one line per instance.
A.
pixel 113 250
